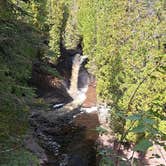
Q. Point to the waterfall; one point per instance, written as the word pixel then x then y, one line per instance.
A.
pixel 77 62
pixel 79 82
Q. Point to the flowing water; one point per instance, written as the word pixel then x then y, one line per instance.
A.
pixel 78 79
pixel 66 135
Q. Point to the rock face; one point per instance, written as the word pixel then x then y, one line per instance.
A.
pixel 91 99
pixel 49 87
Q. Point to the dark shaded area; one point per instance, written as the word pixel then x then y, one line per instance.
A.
pixel 64 141
pixel 49 87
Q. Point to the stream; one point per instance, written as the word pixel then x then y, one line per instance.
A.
pixel 65 135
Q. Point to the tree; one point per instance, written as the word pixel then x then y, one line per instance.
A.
pixel 56 21
pixel 18 49
pixel 125 41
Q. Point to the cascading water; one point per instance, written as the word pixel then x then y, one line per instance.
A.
pixel 78 83
pixel 78 92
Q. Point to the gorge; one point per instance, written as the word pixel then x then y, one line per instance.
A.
pixel 82 83
pixel 67 133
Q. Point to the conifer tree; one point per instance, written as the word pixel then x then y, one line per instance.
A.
pixel 127 49
pixel 56 21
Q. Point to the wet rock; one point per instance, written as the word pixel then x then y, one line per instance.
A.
pixel 48 142
pixel 64 160
pixel 77 160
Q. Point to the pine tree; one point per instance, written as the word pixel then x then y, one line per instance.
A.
pixel 56 21
pixel 124 40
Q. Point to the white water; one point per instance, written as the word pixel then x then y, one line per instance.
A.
pixel 58 105
pixel 78 94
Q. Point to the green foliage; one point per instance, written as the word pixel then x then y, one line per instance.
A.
pixel 125 44
pixel 143 145
pixel 71 35
pixel 106 157
pixel 19 157
pixel 17 51
pixel 57 13
pixel 124 41
pixel 51 18
pixel 86 16
pixel 39 13
pixel 18 48
pixel 107 161
pixel 86 24
pixel 32 12
pixel 49 70
pixel 5 11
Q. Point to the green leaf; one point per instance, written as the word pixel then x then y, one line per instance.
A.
pixel 149 121
pixel 134 117
pixel 120 114
pixel 143 145
pixel 153 130
pixel 139 129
